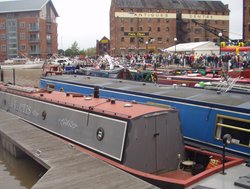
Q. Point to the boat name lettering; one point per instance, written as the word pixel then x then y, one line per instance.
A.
pixel 20 107
pixel 35 113
pixel 67 123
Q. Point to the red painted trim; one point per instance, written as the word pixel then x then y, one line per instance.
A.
pixel 232 161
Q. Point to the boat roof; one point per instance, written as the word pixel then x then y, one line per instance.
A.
pixel 105 106
pixel 168 92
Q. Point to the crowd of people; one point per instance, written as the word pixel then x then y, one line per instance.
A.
pixel 230 60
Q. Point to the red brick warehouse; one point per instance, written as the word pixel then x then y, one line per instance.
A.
pixel 144 25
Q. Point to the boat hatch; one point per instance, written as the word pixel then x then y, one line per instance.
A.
pixel 238 128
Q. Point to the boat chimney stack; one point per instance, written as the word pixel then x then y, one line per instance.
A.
pixel 96 92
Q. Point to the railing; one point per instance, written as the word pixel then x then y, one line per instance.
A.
pixel 34 29
pixel 226 84
pixel 34 40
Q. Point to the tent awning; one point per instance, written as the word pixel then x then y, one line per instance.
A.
pixel 194 46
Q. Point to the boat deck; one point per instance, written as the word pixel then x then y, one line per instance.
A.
pixel 227 181
pixel 168 92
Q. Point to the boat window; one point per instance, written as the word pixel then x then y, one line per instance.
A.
pixel 238 128
pixel 50 87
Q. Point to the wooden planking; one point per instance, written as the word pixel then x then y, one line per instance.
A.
pixel 68 167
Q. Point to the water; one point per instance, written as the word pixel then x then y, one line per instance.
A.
pixel 20 173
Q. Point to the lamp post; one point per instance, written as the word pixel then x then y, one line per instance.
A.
pixel 226 139
pixel 146 47
pixel 220 35
pixel 175 42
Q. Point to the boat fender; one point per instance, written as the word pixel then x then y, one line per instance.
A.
pixel 213 162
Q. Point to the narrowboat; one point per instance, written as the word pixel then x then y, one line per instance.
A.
pixel 143 140
pixel 206 115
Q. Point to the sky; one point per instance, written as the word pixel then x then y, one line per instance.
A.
pixel 87 21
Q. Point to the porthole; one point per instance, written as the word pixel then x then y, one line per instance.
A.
pixel 100 134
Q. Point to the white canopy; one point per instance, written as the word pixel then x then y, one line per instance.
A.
pixel 204 47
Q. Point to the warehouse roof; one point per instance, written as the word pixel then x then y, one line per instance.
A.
pixel 173 4
pixel 12 6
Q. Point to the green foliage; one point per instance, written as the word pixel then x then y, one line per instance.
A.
pixel 69 53
pixel 74 50
pixel 61 52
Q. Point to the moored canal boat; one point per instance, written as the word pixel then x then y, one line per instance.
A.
pixel 143 140
pixel 206 115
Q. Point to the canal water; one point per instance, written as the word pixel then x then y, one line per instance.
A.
pixel 20 173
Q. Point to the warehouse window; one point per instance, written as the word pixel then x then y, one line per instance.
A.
pixel 196 39
pixel 22 36
pixel 131 29
pixel 3 48
pixel 197 30
pixel 238 128
pixel 159 39
pixel 22 47
pixel 2 37
pixel 2 26
pixel 22 25
pixel 132 39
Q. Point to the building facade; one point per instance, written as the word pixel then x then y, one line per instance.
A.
pixel 27 28
pixel 142 26
pixel 246 21
pixel 103 46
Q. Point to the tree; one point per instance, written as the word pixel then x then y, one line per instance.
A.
pixel 75 49
pixel 68 52
pixel 91 51
pixel 61 52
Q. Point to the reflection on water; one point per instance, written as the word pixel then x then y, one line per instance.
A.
pixel 18 173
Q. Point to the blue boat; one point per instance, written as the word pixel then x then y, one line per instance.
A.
pixel 206 115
